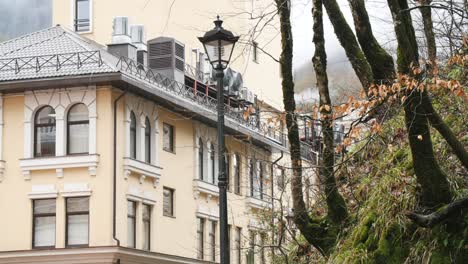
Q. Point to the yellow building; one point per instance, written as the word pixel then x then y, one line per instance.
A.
pixel 104 160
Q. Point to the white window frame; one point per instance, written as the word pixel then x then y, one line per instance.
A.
pixel 72 22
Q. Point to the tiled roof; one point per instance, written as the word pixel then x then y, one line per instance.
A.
pixel 52 52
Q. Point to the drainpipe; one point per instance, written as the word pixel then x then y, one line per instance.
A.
pixel 273 202
pixel 114 205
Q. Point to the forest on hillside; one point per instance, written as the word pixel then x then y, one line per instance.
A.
pixel 396 189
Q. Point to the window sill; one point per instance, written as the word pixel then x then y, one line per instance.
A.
pixel 258 203
pixel 207 188
pixel 143 169
pixel 59 163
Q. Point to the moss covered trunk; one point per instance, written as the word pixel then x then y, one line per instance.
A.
pixel 348 41
pixel 301 217
pixel 337 211
pixel 381 62
pixel 434 185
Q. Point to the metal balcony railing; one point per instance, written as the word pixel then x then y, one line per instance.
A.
pixel 57 61
pixel 144 73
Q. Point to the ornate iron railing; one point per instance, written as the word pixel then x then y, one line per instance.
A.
pixel 171 86
pixel 57 61
pixel 195 73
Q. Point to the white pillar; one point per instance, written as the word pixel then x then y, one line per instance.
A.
pixel 60 138
pixel 92 128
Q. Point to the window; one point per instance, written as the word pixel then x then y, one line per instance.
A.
pixel 212 161
pixel 251 176
pixel 168 137
pixel 44 132
pixel 77 129
pixel 229 239
pixel 200 237
pixel 263 182
pixel 281 179
pixel 77 221
pixel 147 141
pixel 133 136
pixel 168 202
pixel 237 176
pixel 255 51
pixel 146 227
pixel 200 160
pixel 213 241
pixel 44 223
pixel 131 224
pixel 262 248
pixel 260 180
pixel 82 21
pixel 251 254
pixel 238 245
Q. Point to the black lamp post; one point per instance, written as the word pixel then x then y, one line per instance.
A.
pixel 219 44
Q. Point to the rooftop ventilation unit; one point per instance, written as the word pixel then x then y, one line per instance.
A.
pixel 137 34
pixel 120 33
pixel 246 96
pixel 232 82
pixel 121 46
pixel 167 56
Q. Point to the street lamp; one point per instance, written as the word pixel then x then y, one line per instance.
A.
pixel 219 44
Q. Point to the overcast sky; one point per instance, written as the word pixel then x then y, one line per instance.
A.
pixel 19 17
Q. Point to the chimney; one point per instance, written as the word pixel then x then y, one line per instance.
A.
pixel 137 34
pixel 121 41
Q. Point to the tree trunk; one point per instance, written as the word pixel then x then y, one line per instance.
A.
pixel 436 121
pixel 301 218
pixel 337 211
pixel 435 189
pixel 434 118
pixel 429 32
pixel 317 235
pixel 348 41
pixel 381 62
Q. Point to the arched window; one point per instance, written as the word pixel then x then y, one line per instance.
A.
pixel 237 177
pixel 212 159
pixel 44 132
pixel 147 141
pixel 77 129
pixel 201 175
pixel 132 136
pixel 251 176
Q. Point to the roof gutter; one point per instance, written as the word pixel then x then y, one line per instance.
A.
pixel 114 193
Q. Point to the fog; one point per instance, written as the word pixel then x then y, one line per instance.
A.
pixel 342 79
pixel 19 17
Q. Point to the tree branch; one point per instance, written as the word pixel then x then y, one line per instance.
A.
pixel 431 220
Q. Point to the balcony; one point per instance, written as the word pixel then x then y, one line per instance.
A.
pixel 143 169
pixel 209 189
pixel 257 203
pixel 206 105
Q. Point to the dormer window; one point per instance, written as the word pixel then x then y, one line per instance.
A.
pixel 82 16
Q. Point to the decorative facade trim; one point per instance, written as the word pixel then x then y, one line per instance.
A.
pixel 75 190
pixel 143 169
pixel 208 213
pixel 43 191
pixel 142 109
pixel 135 193
pixel 59 163
pixel 207 188
pixel 257 203
pixel 61 100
